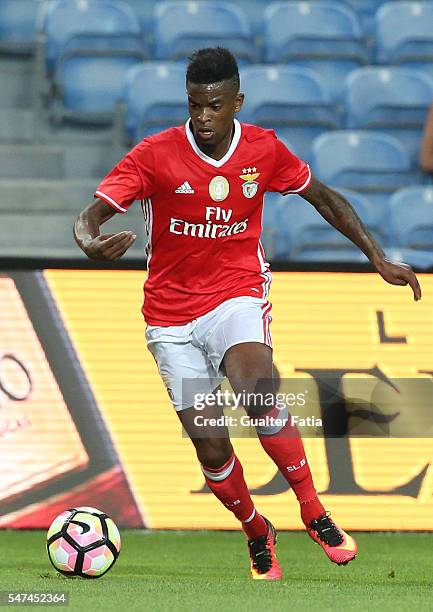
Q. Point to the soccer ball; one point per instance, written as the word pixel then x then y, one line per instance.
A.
pixel 83 542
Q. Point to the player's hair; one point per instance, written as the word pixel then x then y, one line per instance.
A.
pixel 212 65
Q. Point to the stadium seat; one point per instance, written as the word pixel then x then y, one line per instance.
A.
pixel 417 258
pixel 275 236
pixel 362 161
pixel 404 32
pixel 292 100
pixel 293 229
pixel 253 10
pixel 325 36
pixel 341 256
pixel 412 217
pixel 154 98
pixel 144 11
pixel 366 11
pixel 89 46
pixel 181 27
pixel 392 99
pixel 18 26
pixel 374 217
pixel 309 231
pixel 74 25
pixel 89 84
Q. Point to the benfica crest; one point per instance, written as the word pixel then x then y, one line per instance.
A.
pixel 250 186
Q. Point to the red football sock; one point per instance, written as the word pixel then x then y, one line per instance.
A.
pixel 286 450
pixel 227 483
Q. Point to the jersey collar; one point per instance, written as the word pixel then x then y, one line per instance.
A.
pixel 217 163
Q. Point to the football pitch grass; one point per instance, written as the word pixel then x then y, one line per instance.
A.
pixel 186 571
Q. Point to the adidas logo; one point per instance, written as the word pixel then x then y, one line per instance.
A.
pixel 185 188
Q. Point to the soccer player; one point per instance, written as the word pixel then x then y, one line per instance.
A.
pixel 206 296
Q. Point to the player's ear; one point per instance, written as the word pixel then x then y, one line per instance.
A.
pixel 239 100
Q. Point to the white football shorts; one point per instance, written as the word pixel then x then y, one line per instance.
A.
pixel 189 356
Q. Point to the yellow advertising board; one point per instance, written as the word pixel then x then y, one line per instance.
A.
pixel 338 324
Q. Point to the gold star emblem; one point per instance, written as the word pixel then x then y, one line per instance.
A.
pixel 249 174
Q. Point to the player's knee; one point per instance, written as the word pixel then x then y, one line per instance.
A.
pixel 256 393
pixel 213 453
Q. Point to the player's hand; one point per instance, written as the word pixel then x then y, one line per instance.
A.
pixel 399 274
pixel 108 247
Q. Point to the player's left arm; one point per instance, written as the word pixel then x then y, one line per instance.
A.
pixel 338 212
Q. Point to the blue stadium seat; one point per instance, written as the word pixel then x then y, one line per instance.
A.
pixel 308 230
pixel 392 99
pixel 366 11
pixel 90 45
pixel 89 85
pixel 180 27
pixel 325 36
pixel 74 25
pixel 144 10
pixel 417 258
pixel 155 98
pixel 331 256
pixel 293 229
pixel 412 217
pixel 18 25
pixel 404 32
pixel 275 237
pixel 362 161
pixel 374 217
pixel 291 100
pixel 253 10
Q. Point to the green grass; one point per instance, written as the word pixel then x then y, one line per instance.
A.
pixel 208 571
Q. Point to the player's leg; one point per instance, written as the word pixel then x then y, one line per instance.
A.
pixel 264 563
pixel 249 367
pixel 224 476
pixel 187 373
pixel 240 342
pixel 221 467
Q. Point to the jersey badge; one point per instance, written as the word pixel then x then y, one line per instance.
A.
pixel 250 186
pixel 219 188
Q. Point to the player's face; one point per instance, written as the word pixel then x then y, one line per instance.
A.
pixel 212 108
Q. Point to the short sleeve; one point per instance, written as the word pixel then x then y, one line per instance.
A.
pixel 290 174
pixel 131 179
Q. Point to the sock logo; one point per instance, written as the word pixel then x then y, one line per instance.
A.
pixel 293 468
pixel 232 504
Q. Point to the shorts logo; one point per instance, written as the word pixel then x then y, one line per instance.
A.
pixel 219 188
pixel 250 187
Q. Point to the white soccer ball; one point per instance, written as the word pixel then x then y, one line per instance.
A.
pixel 83 542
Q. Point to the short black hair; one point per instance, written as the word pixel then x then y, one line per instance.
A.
pixel 212 65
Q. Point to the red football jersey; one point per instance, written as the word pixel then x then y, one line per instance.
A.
pixel 203 216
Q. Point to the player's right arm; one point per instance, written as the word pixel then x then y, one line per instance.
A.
pixel 130 180
pixel 104 247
